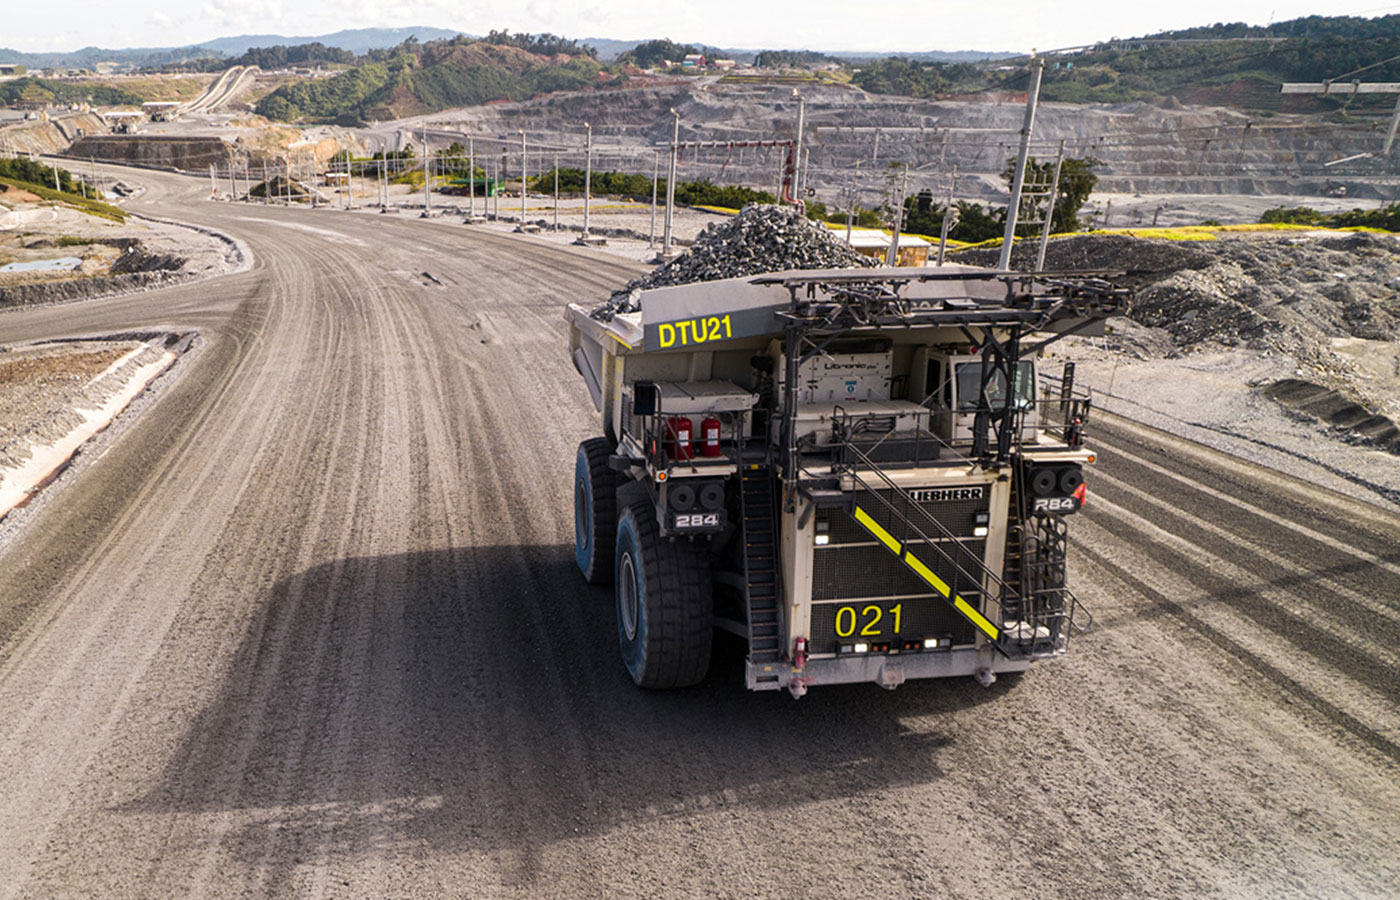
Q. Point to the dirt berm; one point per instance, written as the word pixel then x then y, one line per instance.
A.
pixel 183 153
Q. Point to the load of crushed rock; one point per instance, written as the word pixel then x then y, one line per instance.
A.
pixel 761 238
pixel 1292 294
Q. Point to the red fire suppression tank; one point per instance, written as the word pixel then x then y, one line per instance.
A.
pixel 709 436
pixel 678 444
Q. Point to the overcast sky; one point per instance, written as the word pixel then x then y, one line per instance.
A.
pixel 751 24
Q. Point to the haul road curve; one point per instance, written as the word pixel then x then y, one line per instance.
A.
pixel 311 627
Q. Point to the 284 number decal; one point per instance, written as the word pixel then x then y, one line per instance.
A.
pixel 698 520
pixel 868 621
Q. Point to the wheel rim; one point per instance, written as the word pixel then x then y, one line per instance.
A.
pixel 627 596
pixel 581 514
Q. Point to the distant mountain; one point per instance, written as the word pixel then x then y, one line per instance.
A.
pixel 361 40
pixel 88 57
pixel 928 55
pixel 356 40
pixel 609 49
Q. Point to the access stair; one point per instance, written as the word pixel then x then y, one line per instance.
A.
pixel 1021 622
pixel 761 583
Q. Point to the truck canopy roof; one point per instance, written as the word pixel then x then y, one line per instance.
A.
pixel 712 313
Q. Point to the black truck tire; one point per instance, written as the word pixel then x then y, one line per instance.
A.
pixel 665 608
pixel 595 510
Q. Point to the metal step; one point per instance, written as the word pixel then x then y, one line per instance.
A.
pixel 760 564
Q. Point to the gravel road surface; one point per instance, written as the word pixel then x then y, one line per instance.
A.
pixel 311 627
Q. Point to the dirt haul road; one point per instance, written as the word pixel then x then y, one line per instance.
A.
pixel 311 627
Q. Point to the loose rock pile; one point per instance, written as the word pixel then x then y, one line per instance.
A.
pixel 761 238
pixel 1289 294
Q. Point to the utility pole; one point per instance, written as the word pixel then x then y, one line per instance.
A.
pixel 671 184
pixel 797 147
pixel 1050 210
pixel 524 176
pixel 892 255
pixel 556 192
pixel 1019 177
pixel 1353 88
pixel 471 178
pixel 587 176
pixel 851 207
pixel 655 181
pixel 427 175
pixel 947 216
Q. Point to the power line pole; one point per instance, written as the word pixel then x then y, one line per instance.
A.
pixel 948 216
pixel 427 175
pixel 892 255
pixel 524 175
pixel 556 192
pixel 587 177
pixel 1019 176
pixel 1050 209
pixel 655 181
pixel 1353 88
pixel 671 184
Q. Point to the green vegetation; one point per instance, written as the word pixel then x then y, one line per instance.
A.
pixel 541 44
pixel 791 59
pixel 690 193
pixel 1387 218
pixel 650 54
pixel 77 201
pixel 908 78
pixel 35 172
pixel 43 91
pixel 1216 67
pixel 973 222
pixel 417 78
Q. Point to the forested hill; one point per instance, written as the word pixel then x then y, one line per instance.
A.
pixel 415 78
pixel 1232 64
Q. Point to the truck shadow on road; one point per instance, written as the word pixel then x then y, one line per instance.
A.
pixel 473 699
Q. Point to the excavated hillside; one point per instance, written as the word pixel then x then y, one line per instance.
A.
pixel 1165 148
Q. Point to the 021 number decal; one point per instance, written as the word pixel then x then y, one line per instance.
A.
pixel 867 620
pixel 697 520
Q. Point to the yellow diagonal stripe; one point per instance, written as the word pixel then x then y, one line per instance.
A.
pixel 977 618
pixel 874 528
pixel 927 574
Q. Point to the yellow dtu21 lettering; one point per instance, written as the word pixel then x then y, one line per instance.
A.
pixel 694 331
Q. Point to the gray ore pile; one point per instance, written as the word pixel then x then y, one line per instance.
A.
pixel 1288 294
pixel 761 238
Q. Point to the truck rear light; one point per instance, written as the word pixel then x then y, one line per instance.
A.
pixel 854 648
pixel 980 522
pixel 823 535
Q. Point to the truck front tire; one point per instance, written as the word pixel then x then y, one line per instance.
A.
pixel 595 510
pixel 665 614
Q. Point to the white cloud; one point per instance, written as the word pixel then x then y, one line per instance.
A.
pixel 756 24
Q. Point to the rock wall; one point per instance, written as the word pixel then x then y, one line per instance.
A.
pixel 188 154
pixel 51 136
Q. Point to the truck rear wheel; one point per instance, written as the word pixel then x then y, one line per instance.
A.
pixel 664 603
pixel 595 510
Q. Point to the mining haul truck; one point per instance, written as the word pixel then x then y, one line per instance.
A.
pixel 857 471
